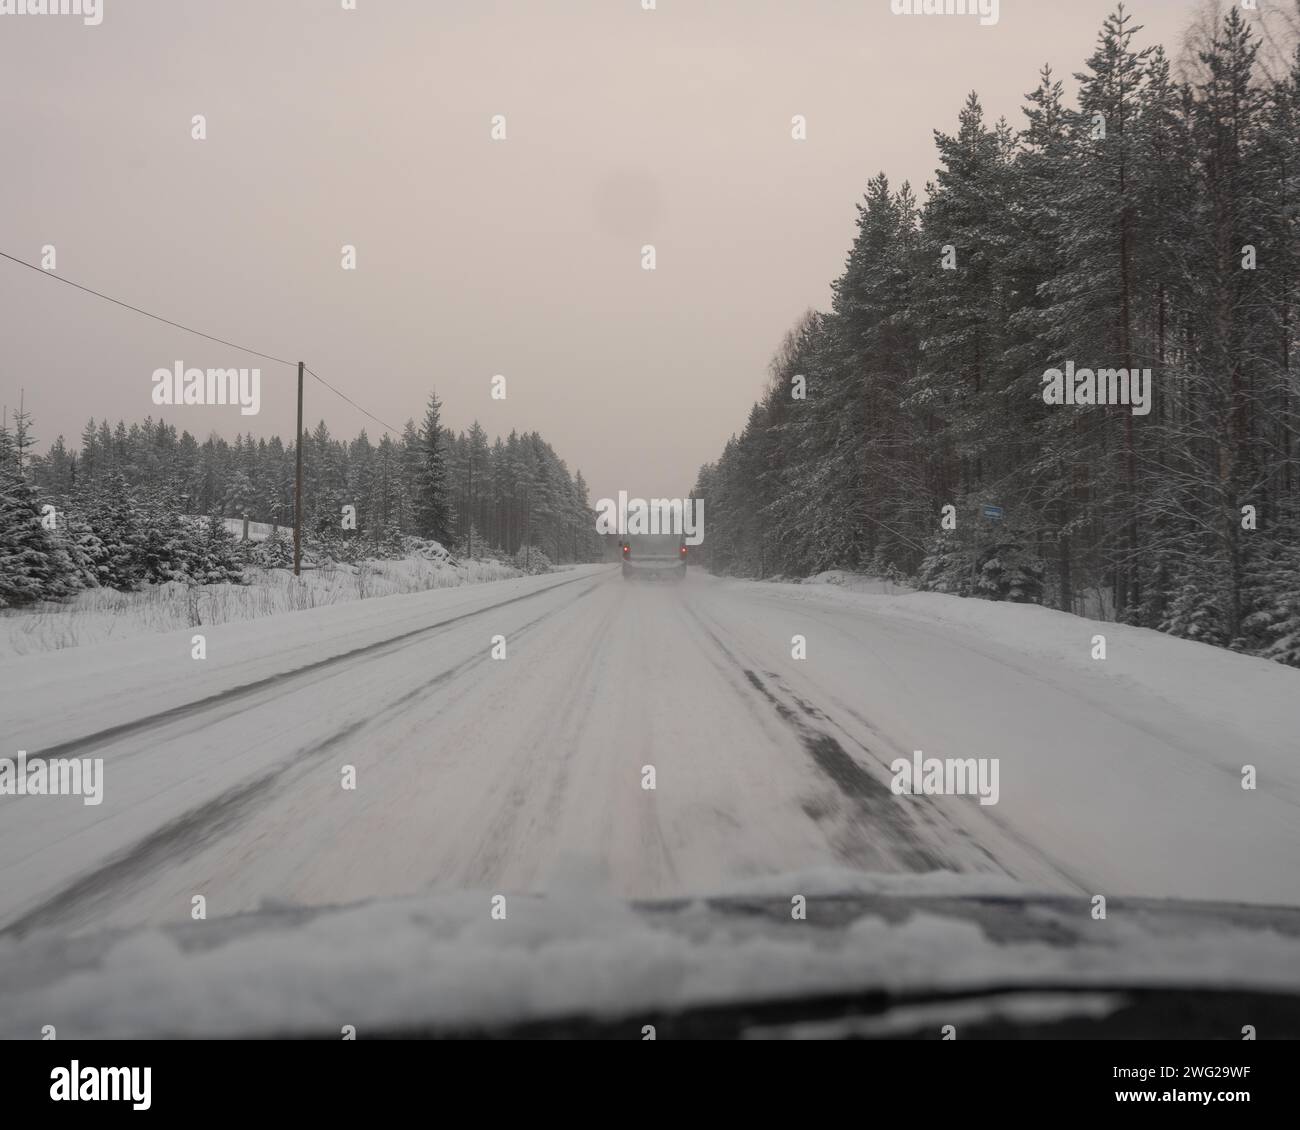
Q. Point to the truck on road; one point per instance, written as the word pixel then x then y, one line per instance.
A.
pixel 654 557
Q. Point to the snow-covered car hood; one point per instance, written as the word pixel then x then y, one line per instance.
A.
pixel 442 964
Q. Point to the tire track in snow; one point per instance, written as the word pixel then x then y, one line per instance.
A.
pixel 848 774
pixel 201 826
pixel 234 696
pixel 870 796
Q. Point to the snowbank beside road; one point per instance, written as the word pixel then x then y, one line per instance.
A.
pixel 60 695
pixel 857 582
pixel 98 615
pixel 1220 687
pixel 1126 771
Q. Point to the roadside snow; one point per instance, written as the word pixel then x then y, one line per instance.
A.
pixel 99 615
pixel 52 697
pixel 1126 772
pixel 257 531
pixel 1249 694
pixel 857 582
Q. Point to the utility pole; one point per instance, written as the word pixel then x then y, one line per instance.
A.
pixel 297 486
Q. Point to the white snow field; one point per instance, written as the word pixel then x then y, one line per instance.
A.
pixel 102 614
pixel 523 775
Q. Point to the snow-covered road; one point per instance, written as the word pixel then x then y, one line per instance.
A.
pixel 224 776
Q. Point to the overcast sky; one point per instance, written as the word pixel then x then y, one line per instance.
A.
pixel 475 257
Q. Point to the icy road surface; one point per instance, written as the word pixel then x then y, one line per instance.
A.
pixel 223 776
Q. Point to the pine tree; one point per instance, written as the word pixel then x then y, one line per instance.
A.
pixel 275 552
pixel 410 461
pixel 23 439
pixel 114 518
pixel 161 557
pixel 432 508
pixel 477 474
pixel 1153 227
pixel 216 559
pixel 33 565
pixel 84 550
pixel 8 457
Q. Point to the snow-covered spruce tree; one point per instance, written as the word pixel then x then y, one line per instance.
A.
pixel 245 551
pixel 168 549
pixel 8 453
pixel 1096 303
pixel 1035 444
pixel 946 567
pixel 217 560
pixel 1196 610
pixel 362 489
pixel 432 509
pixel 33 565
pixel 391 543
pixel 325 545
pixel 117 527
pixel 960 304
pixel 352 546
pixel 1271 625
pixel 860 472
pixel 1010 571
pixel 408 464
pixel 325 477
pixel 1227 376
pixel 276 552
pixel 531 559
pixel 1006 569
pixel 386 490
pixel 83 548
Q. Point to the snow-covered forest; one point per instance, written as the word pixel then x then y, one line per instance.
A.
pixel 1152 225
pixel 142 503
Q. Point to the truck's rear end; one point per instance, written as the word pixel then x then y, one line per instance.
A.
pixel 654 557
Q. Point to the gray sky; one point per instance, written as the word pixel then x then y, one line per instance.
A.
pixel 475 256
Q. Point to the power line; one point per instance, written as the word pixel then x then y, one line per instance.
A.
pixel 349 399
pixel 146 313
pixel 192 330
